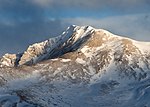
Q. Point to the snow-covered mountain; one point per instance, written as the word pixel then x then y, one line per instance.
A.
pixel 83 67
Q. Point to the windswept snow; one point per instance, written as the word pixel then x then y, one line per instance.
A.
pixel 86 51
pixel 143 46
pixel 66 60
pixel 80 61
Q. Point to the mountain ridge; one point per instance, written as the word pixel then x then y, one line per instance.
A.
pixel 67 41
pixel 43 48
pixel 83 67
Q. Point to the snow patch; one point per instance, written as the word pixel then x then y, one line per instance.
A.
pixel 57 71
pixel 56 59
pixel 80 61
pixel 143 46
pixel 65 60
pixel 86 50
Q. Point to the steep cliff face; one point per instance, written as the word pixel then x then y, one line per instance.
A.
pixel 82 63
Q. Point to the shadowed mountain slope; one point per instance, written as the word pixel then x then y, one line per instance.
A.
pixel 83 66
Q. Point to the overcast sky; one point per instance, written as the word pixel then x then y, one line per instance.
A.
pixel 23 22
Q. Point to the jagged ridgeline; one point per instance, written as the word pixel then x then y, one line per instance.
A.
pixel 69 41
pixel 97 47
pixel 83 67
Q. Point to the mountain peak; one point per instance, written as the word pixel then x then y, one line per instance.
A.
pixel 105 69
pixel 50 48
pixel 73 38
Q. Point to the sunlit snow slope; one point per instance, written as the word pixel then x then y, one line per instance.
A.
pixel 83 67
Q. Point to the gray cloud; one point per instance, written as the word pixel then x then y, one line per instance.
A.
pixel 34 5
pixel 23 23
pixel 117 5
pixel 93 3
pixel 134 26
pixel 20 10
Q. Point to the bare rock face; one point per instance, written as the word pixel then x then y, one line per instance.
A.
pixel 9 60
pixel 33 51
pixel 55 47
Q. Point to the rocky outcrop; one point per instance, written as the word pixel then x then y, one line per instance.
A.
pixel 70 40
pixel 10 60
pixel 33 52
